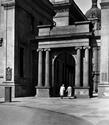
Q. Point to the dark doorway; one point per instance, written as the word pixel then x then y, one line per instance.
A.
pixel 63 73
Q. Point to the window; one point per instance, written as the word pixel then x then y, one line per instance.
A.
pixel 21 62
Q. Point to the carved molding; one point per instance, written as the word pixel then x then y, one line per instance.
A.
pixel 78 48
pixel 38 50
pixel 86 47
pixel 48 49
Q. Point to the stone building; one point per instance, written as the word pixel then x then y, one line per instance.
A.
pixel 18 55
pixel 69 53
pixel 46 44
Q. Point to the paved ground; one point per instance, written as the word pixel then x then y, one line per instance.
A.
pixel 55 111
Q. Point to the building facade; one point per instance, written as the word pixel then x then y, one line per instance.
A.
pixel 69 52
pixel 18 55
pixel 46 44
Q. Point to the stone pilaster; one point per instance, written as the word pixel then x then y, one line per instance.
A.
pixel 9 47
pixel 103 88
pixel 47 68
pixel 95 69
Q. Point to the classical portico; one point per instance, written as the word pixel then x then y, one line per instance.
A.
pixel 64 59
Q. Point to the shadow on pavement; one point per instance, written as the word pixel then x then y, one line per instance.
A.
pixel 26 115
pixel 48 117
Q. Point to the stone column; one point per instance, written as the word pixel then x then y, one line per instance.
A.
pixel 40 68
pixel 53 72
pixel 77 76
pixel 86 68
pixel 95 69
pixel 47 68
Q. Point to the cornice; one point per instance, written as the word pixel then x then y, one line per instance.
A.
pixel 65 36
pixel 44 26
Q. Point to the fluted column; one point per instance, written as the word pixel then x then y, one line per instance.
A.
pixel 86 67
pixel 77 76
pixel 47 68
pixel 40 67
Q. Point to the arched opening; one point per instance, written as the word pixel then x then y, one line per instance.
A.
pixel 63 72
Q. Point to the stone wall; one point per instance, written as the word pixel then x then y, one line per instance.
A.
pixel 18 27
pixel 26 23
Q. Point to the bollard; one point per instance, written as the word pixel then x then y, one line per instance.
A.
pixel 8 92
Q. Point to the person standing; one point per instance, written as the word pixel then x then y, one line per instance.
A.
pixel 69 91
pixel 62 89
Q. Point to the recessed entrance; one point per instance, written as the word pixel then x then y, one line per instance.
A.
pixel 63 72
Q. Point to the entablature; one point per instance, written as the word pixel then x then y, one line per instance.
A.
pixel 64 43
pixel 64 36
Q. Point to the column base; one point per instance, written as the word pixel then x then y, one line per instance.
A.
pixel 103 90
pixel 42 92
pixel 80 92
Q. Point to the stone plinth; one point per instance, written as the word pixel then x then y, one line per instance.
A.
pixel 81 92
pixel 42 92
pixel 103 91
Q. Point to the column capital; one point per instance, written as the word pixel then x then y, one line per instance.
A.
pixel 78 47
pixel 8 3
pixel 38 50
pixel 47 49
pixel 86 47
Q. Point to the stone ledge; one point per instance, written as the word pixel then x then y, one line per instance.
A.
pixel 8 83
pixel 38 87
